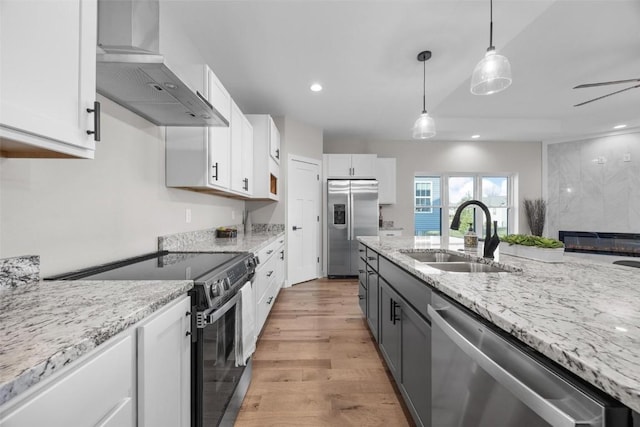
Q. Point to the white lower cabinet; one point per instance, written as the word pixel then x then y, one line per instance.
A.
pixel 97 392
pixel 164 368
pixel 115 385
pixel 268 280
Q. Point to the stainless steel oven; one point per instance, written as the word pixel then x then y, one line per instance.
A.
pixel 218 382
pixel 221 383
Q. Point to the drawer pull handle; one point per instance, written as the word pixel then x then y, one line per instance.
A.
pixel 270 273
pixel 360 296
pixel 269 252
pixel 282 254
pixel 371 258
pixel 270 299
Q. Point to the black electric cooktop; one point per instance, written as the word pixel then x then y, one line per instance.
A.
pixel 158 266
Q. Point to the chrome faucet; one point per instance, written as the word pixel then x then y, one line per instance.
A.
pixel 490 242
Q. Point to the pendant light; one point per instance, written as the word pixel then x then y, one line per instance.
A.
pixel 424 127
pixel 493 72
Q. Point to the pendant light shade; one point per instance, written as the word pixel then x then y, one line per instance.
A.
pixel 424 127
pixel 493 72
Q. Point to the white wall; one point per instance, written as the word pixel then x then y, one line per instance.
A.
pixel 78 213
pixel 522 158
pixel 590 187
pixel 295 138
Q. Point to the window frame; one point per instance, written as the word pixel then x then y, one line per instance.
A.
pixel 445 206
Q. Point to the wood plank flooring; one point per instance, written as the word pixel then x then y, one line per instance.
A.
pixel 316 364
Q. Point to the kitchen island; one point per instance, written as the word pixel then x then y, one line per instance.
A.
pixel 581 315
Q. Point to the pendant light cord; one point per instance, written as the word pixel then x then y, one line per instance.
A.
pixel 491 25
pixel 424 86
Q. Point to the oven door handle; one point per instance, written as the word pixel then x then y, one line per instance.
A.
pixel 213 315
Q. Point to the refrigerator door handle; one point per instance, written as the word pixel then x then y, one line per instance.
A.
pixel 351 216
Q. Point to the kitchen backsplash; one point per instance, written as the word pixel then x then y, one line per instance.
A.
pixel 18 271
pixel 174 242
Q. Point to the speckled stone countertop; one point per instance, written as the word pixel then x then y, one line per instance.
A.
pixel 205 241
pixel 47 325
pixel 583 315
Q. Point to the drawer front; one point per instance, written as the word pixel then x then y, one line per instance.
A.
pixel 372 258
pixel 416 292
pixel 362 272
pixel 265 276
pixel 88 395
pixel 362 251
pixel 265 254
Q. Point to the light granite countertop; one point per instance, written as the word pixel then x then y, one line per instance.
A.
pixel 583 315
pixel 47 325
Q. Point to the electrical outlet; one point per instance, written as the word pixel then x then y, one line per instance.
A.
pixel 626 157
pixel 187 215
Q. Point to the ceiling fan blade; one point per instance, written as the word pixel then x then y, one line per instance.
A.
pixel 615 82
pixel 604 96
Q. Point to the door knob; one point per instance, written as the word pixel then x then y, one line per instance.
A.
pixel 296 228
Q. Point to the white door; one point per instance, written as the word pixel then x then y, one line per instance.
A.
pixel 303 219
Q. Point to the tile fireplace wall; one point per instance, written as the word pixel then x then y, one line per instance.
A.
pixel 594 185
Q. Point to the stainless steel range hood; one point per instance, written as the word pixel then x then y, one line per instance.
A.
pixel 132 72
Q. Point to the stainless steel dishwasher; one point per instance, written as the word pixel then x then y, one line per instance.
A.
pixel 481 379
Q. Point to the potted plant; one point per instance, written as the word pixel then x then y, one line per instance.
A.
pixel 538 248
pixel 535 210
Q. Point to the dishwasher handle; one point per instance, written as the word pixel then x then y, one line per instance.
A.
pixel 541 406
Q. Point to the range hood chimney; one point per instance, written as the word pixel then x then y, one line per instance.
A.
pixel 132 72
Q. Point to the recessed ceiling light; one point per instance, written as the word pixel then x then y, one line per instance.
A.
pixel 316 87
pixel 620 126
pixel 475 136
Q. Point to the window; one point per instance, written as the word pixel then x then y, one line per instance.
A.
pixel 423 196
pixel 431 210
pixel 427 208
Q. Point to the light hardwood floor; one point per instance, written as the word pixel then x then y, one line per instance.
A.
pixel 316 364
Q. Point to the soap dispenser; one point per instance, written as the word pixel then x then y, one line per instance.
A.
pixel 470 239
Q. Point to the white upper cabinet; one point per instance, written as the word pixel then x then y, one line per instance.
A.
pixel 241 152
pixel 200 158
pixel 266 168
pixel 48 78
pixel 217 95
pixel 274 142
pixel 386 176
pixel 350 165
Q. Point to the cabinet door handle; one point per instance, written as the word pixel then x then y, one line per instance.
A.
pixel 277 153
pixel 360 250
pixel 96 121
pixel 360 270
pixel 215 166
pixel 282 254
pixel 395 315
pixel 370 272
pixel 187 334
pixel 270 299
pixel 371 258
pixel 269 252
pixel 360 296
pixel 246 184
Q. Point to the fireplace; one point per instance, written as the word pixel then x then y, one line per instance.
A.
pixel 623 244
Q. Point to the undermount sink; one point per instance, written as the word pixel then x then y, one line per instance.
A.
pixel 467 267
pixel 435 257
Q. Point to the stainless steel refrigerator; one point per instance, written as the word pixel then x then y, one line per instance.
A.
pixel 352 210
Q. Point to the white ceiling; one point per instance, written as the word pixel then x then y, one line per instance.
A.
pixel 268 52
